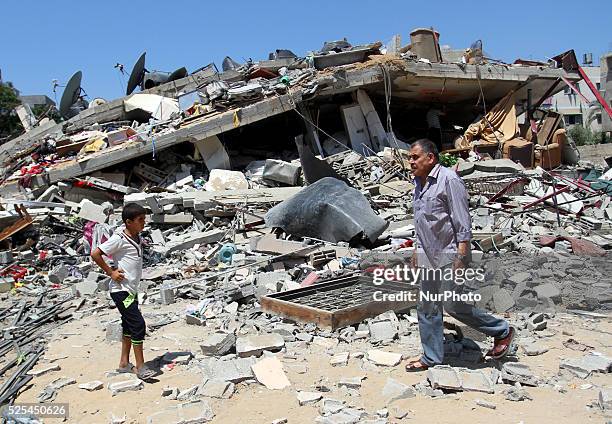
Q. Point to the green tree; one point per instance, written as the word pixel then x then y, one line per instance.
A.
pixel 10 125
pixel 583 136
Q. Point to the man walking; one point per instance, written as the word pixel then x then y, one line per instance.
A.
pixel 443 229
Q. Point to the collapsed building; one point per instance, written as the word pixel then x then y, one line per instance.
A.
pixel 276 185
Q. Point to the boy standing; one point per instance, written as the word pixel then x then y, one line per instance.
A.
pixel 125 247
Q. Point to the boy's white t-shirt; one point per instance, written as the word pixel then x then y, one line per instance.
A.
pixel 127 256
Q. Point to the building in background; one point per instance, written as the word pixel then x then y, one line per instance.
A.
pixel 605 64
pixel 573 107
pixel 36 100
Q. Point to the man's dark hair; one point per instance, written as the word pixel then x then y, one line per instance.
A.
pixel 131 211
pixel 427 146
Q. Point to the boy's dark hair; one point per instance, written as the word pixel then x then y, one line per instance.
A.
pixel 131 211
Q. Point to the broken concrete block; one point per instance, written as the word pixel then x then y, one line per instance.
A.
pixel 502 300
pixel 194 320
pixel 339 359
pixel 6 257
pixel 351 382
pixel 42 370
pixel 6 284
pixel 583 367
pixel 188 393
pixel 537 322
pixel 172 219
pixel 270 373
pixel 534 349
pixel 485 404
pixel 605 399
pixel 282 172
pixel 550 291
pixel 395 390
pixel 90 211
pixel 58 274
pixel 217 389
pixel 85 288
pixel 331 406
pixel 515 372
pixel 255 345
pixel 187 413
pixel 218 344
pixel 454 378
pixel 383 331
pixel 498 166
pixel 220 180
pixel 520 277
pixel 516 394
pixel 234 370
pixel 189 240
pixel 91 386
pixel 308 398
pixel 382 358
pixel 125 386
pixel 196 412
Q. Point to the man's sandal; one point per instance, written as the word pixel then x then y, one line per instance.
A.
pixel 129 368
pixel 416 366
pixel 145 373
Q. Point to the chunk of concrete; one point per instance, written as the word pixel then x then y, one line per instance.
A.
pixel 339 359
pixel 515 372
pixel 270 373
pixel 502 300
pixel 351 382
pixel 331 406
pixel 395 390
pixel 125 386
pixel 382 331
pixel 90 211
pixel 534 349
pixel 218 344
pixel 537 322
pixel 498 166
pixel 91 386
pixel 114 331
pixel 234 370
pixel 42 370
pixel 217 389
pixel 308 398
pixel 454 378
pixel 583 367
pixel 220 180
pixel 382 358
pixel 605 399
pixel 255 345
pixel 58 274
pixel 548 290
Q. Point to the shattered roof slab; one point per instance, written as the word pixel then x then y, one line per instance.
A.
pixel 412 81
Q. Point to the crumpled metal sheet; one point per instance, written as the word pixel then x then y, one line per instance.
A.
pixel 328 210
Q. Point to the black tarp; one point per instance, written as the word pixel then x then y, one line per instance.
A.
pixel 328 210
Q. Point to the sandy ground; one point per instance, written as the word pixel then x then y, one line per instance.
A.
pixel 83 353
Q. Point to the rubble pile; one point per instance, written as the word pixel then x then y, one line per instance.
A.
pixel 231 225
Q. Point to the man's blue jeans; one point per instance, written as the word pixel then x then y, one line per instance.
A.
pixel 431 325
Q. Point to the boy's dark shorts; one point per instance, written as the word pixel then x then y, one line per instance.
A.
pixel 131 319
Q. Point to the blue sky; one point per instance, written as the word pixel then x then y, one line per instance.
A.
pixel 46 40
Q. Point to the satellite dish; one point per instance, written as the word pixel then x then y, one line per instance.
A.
pixel 137 74
pixel 141 77
pixel 229 64
pixel 72 103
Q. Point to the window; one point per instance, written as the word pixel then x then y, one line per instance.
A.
pixel 598 86
pixel 567 90
pixel 599 119
pixel 572 119
pixel 578 119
